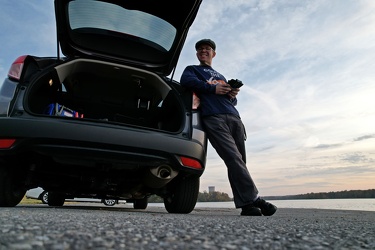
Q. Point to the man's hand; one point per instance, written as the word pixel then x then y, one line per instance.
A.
pixel 232 94
pixel 222 89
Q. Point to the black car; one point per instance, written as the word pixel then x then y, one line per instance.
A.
pixel 105 119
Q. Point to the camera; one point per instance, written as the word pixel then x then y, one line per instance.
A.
pixel 235 83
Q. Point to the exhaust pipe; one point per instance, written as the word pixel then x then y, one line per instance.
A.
pixel 159 176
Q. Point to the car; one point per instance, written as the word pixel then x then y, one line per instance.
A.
pixel 42 195
pixel 105 117
pixel 38 194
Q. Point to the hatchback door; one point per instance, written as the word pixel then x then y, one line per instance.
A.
pixel 142 33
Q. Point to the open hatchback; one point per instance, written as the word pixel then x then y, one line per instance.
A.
pixel 104 120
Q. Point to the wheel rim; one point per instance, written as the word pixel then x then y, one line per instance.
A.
pixel 45 198
pixel 109 202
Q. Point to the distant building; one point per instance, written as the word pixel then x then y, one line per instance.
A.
pixel 211 189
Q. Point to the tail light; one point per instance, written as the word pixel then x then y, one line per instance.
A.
pixel 15 70
pixel 6 143
pixel 188 162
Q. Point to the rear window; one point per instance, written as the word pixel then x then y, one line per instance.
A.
pixel 100 17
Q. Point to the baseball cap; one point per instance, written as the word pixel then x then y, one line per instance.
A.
pixel 206 41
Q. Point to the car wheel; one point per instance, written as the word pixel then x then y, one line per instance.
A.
pixel 44 197
pixel 109 202
pixel 183 196
pixel 55 199
pixel 10 193
pixel 140 203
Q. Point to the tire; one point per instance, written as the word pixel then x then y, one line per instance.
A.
pixel 56 199
pixel 109 202
pixel 11 194
pixel 140 203
pixel 183 196
pixel 44 197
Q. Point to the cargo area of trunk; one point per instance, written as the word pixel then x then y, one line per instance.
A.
pixel 90 89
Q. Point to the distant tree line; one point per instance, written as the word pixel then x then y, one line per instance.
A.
pixel 213 196
pixel 351 194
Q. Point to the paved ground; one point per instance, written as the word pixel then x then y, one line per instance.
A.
pixel 121 227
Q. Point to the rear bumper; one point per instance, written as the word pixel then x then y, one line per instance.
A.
pixel 80 142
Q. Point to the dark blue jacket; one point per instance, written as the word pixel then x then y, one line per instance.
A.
pixel 202 80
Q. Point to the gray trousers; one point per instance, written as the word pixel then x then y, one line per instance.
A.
pixel 227 135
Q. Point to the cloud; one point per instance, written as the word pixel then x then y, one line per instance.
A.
pixel 328 145
pixel 365 137
pixel 358 158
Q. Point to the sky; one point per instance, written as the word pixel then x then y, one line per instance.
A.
pixel 308 100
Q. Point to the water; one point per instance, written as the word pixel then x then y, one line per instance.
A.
pixel 340 204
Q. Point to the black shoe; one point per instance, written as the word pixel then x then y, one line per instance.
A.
pixel 250 210
pixel 267 208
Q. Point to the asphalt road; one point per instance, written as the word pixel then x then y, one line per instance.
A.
pixel 95 226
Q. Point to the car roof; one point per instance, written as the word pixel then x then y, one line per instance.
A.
pixel 142 33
